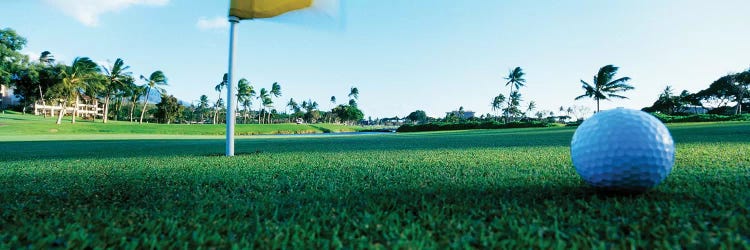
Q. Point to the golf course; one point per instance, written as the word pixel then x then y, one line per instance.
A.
pixel 169 186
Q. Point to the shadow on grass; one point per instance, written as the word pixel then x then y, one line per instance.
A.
pixel 257 152
pixel 104 149
pixel 277 200
pixel 12 118
pixel 325 130
pixel 479 139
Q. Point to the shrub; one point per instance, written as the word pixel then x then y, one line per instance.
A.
pixel 700 118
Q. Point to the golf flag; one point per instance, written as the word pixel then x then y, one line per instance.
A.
pixel 267 9
pixel 251 9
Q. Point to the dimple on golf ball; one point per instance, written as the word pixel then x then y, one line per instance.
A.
pixel 622 149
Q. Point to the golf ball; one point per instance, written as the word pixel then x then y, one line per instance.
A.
pixel 622 150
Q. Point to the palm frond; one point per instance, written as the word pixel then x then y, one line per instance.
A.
pixel 354 92
pixel 622 80
pixel 617 96
pixel 276 89
pixel 605 74
pixel 515 77
pixel 588 88
pixel 158 78
pixel 106 71
pixel 598 95
pixel 616 88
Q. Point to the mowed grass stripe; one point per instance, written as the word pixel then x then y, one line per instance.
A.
pixel 15 125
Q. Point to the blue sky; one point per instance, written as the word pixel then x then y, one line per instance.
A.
pixel 434 55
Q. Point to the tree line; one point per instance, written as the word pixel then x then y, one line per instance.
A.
pixel 267 112
pixel 718 98
pixel 44 81
pixel 727 95
pixel 49 83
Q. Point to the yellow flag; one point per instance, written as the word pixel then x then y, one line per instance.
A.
pixel 249 9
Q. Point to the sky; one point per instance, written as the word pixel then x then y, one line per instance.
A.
pixel 431 55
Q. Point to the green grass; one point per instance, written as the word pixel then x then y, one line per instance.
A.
pixel 17 124
pixel 511 188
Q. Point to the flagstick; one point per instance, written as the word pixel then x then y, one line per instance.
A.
pixel 230 108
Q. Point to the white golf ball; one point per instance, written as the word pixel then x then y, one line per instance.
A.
pixel 622 149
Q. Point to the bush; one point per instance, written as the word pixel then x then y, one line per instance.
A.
pixel 472 125
pixel 700 118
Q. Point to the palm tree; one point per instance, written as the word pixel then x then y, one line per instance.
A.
pixel 117 76
pixel 292 104
pixel 155 81
pixel 219 103
pixel 293 107
pixel 203 106
pixel 275 89
pixel 119 99
pixel 514 102
pixel 310 107
pixel 218 88
pixel 245 93
pixel 96 86
pixel 74 80
pixel 605 87
pixel 262 97
pixel 354 92
pixel 539 115
pixel 515 79
pixel 313 105
pixel 333 105
pixel 134 92
pixel 46 58
pixel 268 103
pixel 740 83
pixel 275 92
pixel 247 103
pixel 531 108
pixel 497 103
pixel 122 94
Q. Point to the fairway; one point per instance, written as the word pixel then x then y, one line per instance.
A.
pixel 20 127
pixel 481 189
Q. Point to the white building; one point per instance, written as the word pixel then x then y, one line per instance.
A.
pixel 466 114
pixel 7 97
pixel 85 108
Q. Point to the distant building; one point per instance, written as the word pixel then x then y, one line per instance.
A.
pixel 692 109
pixel 85 107
pixel 466 114
pixel 7 97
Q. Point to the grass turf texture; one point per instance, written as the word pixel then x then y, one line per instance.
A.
pixel 16 124
pixel 482 189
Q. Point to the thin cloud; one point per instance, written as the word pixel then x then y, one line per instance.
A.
pixel 215 23
pixel 88 11
pixel 33 55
